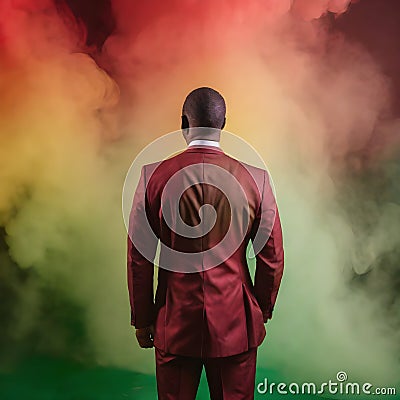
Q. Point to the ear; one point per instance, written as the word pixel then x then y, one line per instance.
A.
pixel 185 122
pixel 223 124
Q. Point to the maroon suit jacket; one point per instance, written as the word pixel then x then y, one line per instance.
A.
pixel 210 312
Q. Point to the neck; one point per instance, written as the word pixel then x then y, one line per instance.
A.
pixel 201 133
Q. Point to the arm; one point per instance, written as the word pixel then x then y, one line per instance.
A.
pixel 140 270
pixel 269 256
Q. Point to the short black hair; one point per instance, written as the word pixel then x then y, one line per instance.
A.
pixel 205 107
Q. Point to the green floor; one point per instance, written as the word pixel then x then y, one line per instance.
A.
pixel 53 379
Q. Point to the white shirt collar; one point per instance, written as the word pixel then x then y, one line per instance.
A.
pixel 204 142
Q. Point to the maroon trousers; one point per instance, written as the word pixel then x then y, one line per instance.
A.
pixel 229 378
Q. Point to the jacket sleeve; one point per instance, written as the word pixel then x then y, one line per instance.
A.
pixel 140 261
pixel 268 247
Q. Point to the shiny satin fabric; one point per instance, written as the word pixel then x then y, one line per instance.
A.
pixel 206 304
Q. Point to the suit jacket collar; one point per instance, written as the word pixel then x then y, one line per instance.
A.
pixel 204 149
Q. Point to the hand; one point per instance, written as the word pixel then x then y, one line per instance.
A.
pixel 266 317
pixel 145 336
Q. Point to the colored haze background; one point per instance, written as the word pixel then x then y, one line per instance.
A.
pixel 314 85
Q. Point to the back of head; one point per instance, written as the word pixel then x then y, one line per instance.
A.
pixel 205 107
